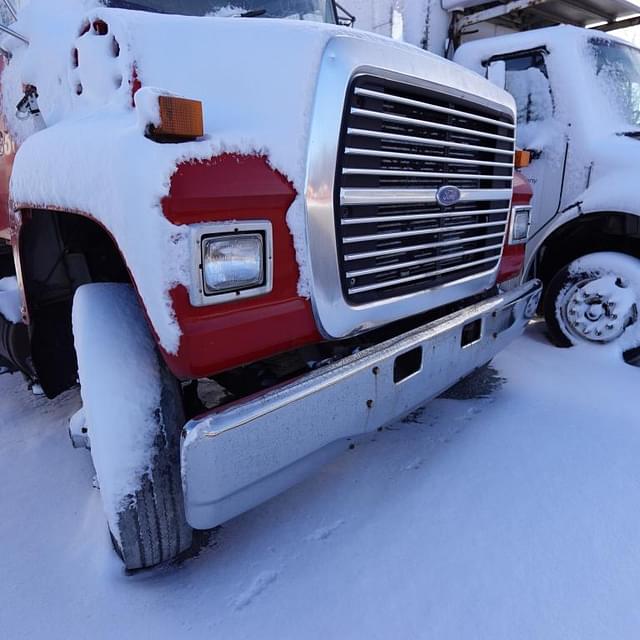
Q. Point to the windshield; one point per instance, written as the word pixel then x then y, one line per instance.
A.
pixel 617 68
pixel 317 10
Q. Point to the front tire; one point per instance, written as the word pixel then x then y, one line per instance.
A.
pixel 134 414
pixel 595 300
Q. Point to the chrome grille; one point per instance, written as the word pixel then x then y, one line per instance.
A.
pixel 399 144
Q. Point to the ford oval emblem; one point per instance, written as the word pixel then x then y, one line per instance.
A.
pixel 448 195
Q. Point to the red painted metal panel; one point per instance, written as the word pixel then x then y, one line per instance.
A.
pixel 513 254
pixel 223 336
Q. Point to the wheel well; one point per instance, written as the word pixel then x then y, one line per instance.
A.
pixel 59 252
pixel 587 234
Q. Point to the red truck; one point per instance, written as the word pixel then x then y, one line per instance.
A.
pixel 236 311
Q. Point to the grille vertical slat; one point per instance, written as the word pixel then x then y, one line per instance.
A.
pixel 399 145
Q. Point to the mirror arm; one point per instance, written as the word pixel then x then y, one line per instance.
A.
pixel 13 33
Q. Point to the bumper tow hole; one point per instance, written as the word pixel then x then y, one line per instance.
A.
pixel 471 333
pixel 407 364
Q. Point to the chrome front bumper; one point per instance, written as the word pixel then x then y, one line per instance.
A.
pixel 244 453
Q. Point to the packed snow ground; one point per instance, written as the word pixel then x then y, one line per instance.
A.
pixel 515 515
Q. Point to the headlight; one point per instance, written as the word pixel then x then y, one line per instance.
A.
pixel 231 263
pixel 520 221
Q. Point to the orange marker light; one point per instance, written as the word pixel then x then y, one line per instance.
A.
pixel 523 158
pixel 180 119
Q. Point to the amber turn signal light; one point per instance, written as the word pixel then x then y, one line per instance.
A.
pixel 180 120
pixel 523 158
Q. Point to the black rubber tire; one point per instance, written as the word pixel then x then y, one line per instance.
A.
pixel 153 528
pixel 150 526
pixel 553 289
pixel 594 265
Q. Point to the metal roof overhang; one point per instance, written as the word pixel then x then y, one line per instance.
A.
pixel 533 14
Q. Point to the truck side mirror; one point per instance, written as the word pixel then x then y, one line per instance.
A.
pixel 344 17
pixel 497 73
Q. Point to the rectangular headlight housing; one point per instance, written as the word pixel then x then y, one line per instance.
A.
pixel 231 261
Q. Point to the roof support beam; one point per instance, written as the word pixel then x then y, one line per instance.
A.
pixel 594 10
pixel 620 24
pixel 496 12
pixel 546 15
pixel 13 33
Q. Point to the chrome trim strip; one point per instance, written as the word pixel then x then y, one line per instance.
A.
pixel 354 196
pixel 418 247
pixel 399 137
pixel 356 151
pixel 422 232
pixel 391 117
pixel 416 263
pixel 424 174
pixel 421 276
pixel 390 97
pixel 422 216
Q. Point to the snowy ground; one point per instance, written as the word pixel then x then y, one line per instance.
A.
pixel 516 515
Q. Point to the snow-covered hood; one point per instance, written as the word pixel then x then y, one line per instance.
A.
pixel 257 82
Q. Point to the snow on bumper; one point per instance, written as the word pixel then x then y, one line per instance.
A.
pixel 244 453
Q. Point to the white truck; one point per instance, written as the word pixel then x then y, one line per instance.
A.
pixel 577 92
pixel 250 240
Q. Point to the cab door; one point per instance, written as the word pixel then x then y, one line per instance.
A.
pixel 525 76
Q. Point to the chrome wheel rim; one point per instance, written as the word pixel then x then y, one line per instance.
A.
pixel 591 310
